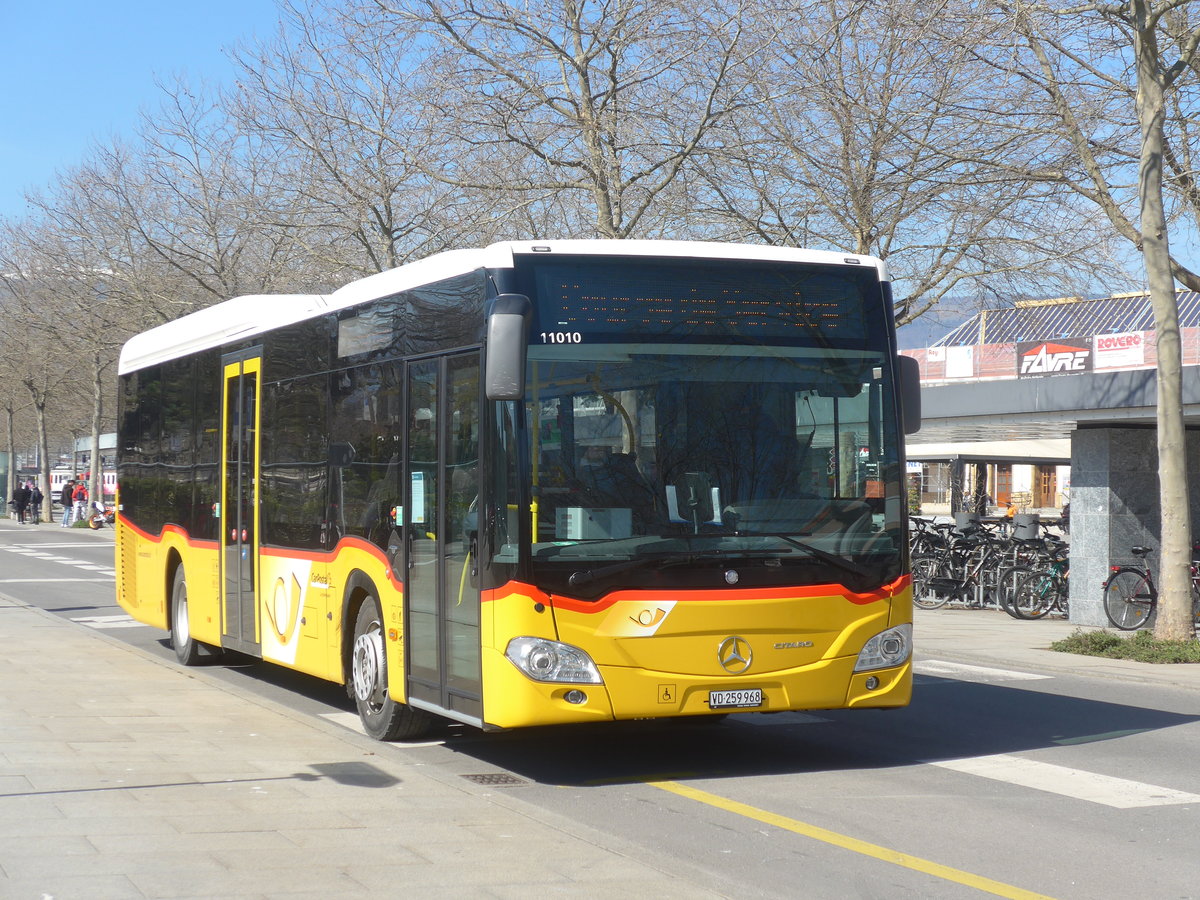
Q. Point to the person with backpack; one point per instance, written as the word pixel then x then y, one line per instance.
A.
pixel 35 503
pixel 80 497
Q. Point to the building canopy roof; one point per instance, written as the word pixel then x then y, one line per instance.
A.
pixel 1038 320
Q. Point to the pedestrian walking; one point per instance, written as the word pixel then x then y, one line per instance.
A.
pixel 21 501
pixel 35 503
pixel 79 499
pixel 67 498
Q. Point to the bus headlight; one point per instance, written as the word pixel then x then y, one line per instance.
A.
pixel 544 660
pixel 886 649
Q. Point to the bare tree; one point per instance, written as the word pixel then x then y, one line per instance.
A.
pixel 10 389
pixel 84 268
pixel 600 105
pixel 192 195
pixel 865 137
pixel 1110 75
pixel 334 96
pixel 34 358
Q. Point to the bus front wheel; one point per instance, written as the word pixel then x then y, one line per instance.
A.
pixel 382 717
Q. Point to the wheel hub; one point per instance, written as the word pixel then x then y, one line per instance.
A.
pixel 368 667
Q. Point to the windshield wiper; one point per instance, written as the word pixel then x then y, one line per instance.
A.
pixel 825 556
pixel 665 560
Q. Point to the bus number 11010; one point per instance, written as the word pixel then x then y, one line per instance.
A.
pixel 562 337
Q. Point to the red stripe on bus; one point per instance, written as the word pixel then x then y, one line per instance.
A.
pixel 319 556
pixel 167 529
pixel 885 592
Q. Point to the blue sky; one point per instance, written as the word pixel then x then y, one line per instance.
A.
pixel 74 72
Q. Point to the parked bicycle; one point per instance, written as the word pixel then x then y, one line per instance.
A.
pixel 1038 594
pixel 1131 597
pixel 976 566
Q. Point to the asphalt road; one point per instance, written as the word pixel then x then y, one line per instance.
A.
pixel 992 782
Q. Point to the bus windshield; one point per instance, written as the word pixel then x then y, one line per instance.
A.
pixel 689 414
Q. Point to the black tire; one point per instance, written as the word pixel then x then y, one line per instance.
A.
pixel 187 648
pixel 382 717
pixel 1035 595
pixel 1128 599
pixel 1006 587
pixel 923 569
pixel 1053 595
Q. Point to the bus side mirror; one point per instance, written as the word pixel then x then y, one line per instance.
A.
pixel 507 342
pixel 909 372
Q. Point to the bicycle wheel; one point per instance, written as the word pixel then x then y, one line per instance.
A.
pixel 1128 599
pixel 1037 594
pixel 925 569
pixel 1009 580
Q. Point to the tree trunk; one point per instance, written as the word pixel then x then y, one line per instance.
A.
pixel 1174 620
pixel 43 478
pixel 96 481
pixel 11 484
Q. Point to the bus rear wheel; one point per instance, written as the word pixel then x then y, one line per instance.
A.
pixel 187 648
pixel 382 717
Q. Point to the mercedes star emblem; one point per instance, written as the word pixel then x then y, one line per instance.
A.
pixel 735 655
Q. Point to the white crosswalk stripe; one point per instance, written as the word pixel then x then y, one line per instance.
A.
pixel 39 553
pixel 107 580
pixel 964 672
pixel 1120 793
pixel 108 622
pixel 58 546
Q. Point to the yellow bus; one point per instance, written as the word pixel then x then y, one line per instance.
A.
pixel 536 483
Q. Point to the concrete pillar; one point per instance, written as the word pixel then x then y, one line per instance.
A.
pixel 1114 506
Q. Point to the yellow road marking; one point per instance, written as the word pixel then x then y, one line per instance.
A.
pixel 895 857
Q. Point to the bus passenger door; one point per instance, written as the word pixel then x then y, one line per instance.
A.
pixel 441 572
pixel 238 524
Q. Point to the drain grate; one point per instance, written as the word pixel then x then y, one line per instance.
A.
pixel 496 779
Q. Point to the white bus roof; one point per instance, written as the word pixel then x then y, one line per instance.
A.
pixel 254 314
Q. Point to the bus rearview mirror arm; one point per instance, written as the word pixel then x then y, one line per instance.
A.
pixel 507 343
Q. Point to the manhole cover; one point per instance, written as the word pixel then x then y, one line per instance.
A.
pixel 495 779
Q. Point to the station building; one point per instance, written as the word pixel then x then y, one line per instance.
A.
pixel 1054 401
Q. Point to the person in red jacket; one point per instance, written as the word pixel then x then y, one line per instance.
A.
pixel 80 498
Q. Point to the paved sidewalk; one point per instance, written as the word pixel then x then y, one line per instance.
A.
pixel 993 638
pixel 122 776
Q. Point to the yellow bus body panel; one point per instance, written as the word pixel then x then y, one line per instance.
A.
pixel 300 597
pixel 658 653
pixel 143 589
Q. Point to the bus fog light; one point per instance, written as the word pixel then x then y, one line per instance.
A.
pixel 551 661
pixel 575 696
pixel 886 649
pixel 872 683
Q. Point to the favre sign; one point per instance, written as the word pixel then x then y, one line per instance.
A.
pixel 1065 356
pixel 1119 351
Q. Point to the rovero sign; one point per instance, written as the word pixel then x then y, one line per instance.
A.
pixel 1065 356
pixel 1115 351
